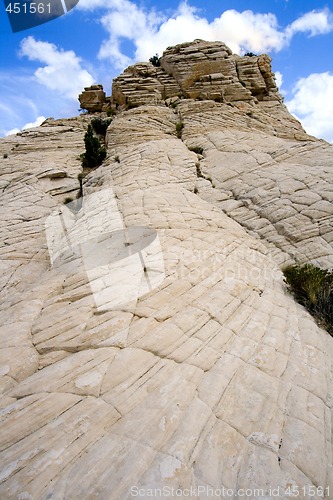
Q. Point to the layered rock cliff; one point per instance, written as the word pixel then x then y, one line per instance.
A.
pixel 199 70
pixel 211 376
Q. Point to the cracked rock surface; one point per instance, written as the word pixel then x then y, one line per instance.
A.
pixel 216 377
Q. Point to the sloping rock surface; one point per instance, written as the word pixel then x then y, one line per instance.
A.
pixel 215 378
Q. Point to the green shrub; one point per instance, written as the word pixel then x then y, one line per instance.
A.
pixel 313 288
pixel 117 159
pixel 155 60
pixel 100 126
pixel 95 153
pixel 198 170
pixel 250 54
pixel 179 129
pixel 197 149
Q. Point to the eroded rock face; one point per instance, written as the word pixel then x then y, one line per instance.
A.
pixel 93 98
pixel 141 84
pixel 216 378
pixel 199 70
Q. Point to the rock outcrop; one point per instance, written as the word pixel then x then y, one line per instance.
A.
pixel 215 378
pixel 141 84
pixel 198 70
pixel 93 98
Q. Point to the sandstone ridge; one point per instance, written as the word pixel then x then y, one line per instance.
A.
pixel 198 70
pixel 214 377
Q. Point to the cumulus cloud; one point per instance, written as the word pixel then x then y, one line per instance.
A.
pixel 314 22
pixel 39 120
pixel 12 132
pixel 125 21
pixel 248 31
pixel 241 31
pixel 152 32
pixel 63 71
pixel 312 103
pixel 278 79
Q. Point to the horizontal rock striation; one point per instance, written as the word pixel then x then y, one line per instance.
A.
pixel 141 84
pixel 215 378
pixel 93 98
pixel 198 70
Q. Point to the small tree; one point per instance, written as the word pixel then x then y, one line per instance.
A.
pixel 250 54
pixel 155 60
pixel 100 126
pixel 95 153
pixel 179 129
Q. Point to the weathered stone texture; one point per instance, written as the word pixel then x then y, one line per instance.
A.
pixel 141 84
pixel 199 70
pixel 217 377
pixel 255 74
pixel 93 98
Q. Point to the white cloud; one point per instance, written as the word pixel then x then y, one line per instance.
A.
pixel 315 22
pixel 246 30
pixel 122 24
pixel 151 32
pixel 63 70
pixel 12 132
pixel 240 31
pixel 278 79
pixel 36 123
pixel 313 104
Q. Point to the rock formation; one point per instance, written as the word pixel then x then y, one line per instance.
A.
pixel 93 98
pixel 215 378
pixel 198 70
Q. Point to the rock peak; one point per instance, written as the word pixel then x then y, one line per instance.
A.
pixel 193 70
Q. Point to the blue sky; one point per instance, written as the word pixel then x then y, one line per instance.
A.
pixel 43 69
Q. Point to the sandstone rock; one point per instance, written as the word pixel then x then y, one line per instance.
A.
pixel 256 75
pixel 198 70
pixel 215 378
pixel 92 98
pixel 141 84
